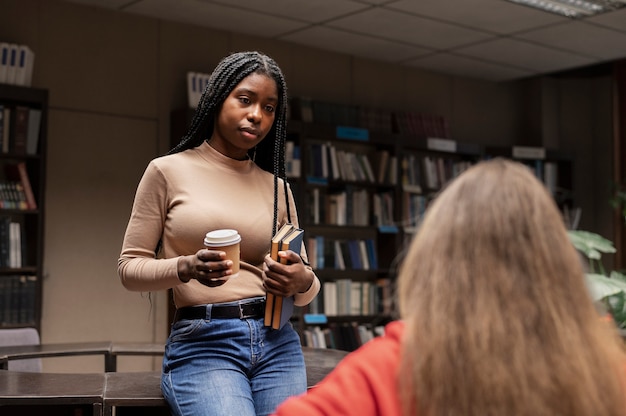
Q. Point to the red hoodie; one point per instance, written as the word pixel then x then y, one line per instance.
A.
pixel 364 383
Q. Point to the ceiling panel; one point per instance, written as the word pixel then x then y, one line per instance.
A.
pixel 448 63
pixel 305 10
pixel 582 38
pixel 495 16
pixel 354 44
pixel 408 28
pixel 524 55
pixel 615 20
pixel 221 17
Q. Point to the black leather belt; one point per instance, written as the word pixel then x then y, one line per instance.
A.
pixel 239 311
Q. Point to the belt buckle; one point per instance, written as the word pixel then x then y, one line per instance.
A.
pixel 241 314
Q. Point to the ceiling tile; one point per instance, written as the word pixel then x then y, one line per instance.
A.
pixel 467 67
pixel 582 38
pixel 496 16
pixel 303 10
pixel 615 20
pixel 402 27
pixel 353 44
pixel 216 16
pixel 524 55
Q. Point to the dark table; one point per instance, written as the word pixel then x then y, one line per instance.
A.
pixel 128 392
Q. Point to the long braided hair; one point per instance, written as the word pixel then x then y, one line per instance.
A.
pixel 269 154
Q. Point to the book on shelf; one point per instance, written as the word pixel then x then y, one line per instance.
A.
pixel 24 66
pixel 11 243
pixel 20 129
pixel 32 132
pixel 2 137
pixel 6 129
pixel 5 245
pixel 17 172
pixel 278 309
pixel 4 61
pixel 15 245
pixel 12 64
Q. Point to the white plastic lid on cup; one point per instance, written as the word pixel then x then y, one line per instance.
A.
pixel 221 238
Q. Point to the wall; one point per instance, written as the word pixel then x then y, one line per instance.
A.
pixel 113 79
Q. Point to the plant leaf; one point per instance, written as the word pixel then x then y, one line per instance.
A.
pixel 590 244
pixel 601 286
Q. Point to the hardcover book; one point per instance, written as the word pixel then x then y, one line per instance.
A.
pixel 278 309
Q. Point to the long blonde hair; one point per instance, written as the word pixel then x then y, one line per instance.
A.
pixel 498 317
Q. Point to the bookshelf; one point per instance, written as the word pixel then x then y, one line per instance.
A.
pixel 22 186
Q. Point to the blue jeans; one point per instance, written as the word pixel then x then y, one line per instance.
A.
pixel 230 367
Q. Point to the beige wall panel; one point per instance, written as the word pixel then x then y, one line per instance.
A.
pixel 485 113
pixel 585 126
pixel 97 60
pixel 94 165
pixel 325 76
pixel 183 48
pixel 377 85
pixel 428 92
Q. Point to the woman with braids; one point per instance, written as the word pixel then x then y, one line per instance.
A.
pixel 496 317
pixel 228 171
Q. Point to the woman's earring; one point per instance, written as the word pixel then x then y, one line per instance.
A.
pixel 254 154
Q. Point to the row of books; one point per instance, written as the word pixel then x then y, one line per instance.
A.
pixel 12 243
pixel 439 170
pixel 348 254
pixel 16 191
pixel 346 297
pixel 16 64
pixel 350 206
pixel 326 161
pixel 19 129
pixel 406 123
pixel 346 337
pixel 17 299
pixel 412 123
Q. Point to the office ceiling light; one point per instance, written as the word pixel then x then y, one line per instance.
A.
pixel 574 8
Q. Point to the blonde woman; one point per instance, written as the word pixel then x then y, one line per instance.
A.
pixel 496 317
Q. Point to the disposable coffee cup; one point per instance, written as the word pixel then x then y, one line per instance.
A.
pixel 228 241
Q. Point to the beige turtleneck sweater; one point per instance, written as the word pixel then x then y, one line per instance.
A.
pixel 183 196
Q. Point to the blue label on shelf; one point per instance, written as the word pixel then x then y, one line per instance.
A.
pixel 388 229
pixel 316 180
pixel 352 133
pixel 315 318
